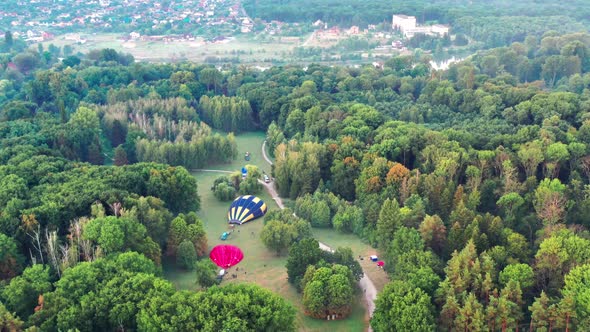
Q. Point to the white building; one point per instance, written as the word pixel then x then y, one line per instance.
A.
pixel 411 32
pixel 408 27
pixel 354 30
pixel 403 22
pixel 247 25
pixel 440 29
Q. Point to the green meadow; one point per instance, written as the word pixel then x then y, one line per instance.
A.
pixel 260 265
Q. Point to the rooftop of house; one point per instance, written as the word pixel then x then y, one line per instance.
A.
pixel 405 17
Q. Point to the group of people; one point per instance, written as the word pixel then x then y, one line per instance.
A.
pixel 235 275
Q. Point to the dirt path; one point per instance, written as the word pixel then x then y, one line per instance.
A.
pixel 370 294
pixel 369 290
pixel 308 39
pixel 365 283
pixel 264 153
pixel 273 193
pixel 211 170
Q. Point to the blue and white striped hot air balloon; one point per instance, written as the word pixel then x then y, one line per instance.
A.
pixel 245 208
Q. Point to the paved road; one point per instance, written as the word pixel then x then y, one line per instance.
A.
pixel 365 283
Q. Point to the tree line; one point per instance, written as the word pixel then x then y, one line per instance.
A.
pixel 471 182
pixel 490 24
pixel 232 114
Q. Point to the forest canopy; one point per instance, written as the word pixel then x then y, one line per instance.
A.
pixel 472 183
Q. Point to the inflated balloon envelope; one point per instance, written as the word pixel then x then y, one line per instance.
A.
pixel 245 208
pixel 226 256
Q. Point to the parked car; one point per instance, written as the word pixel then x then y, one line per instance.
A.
pixel 266 178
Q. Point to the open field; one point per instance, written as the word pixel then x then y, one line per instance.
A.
pixel 247 142
pixel 324 39
pixel 254 50
pixel 259 265
pixel 334 239
pixel 248 49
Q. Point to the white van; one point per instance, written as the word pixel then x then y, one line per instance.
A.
pixel 266 178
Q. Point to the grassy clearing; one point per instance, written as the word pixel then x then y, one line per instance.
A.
pixel 334 239
pixel 258 261
pixel 249 49
pixel 246 142
pixel 259 265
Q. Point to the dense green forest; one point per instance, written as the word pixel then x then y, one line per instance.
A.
pixel 494 23
pixel 473 183
pixel 358 12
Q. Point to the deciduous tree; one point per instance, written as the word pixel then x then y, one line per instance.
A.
pixel 206 273
pixel 401 307
pixel 8 321
pixel 302 254
pixel 186 256
pixel 21 295
pixel 327 291
pixel 10 258
pixel 575 304
pixel 550 201
pixel 277 235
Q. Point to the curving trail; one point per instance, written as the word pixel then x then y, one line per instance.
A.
pixel 273 193
pixel 365 283
pixel 211 170
pixel 264 153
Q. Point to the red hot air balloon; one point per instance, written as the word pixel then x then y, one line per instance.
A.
pixel 226 256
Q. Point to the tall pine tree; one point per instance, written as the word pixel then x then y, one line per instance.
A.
pixel 390 220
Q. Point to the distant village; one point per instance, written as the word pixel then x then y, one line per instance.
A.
pixel 403 28
pixel 41 20
pixel 406 25
pixel 176 20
